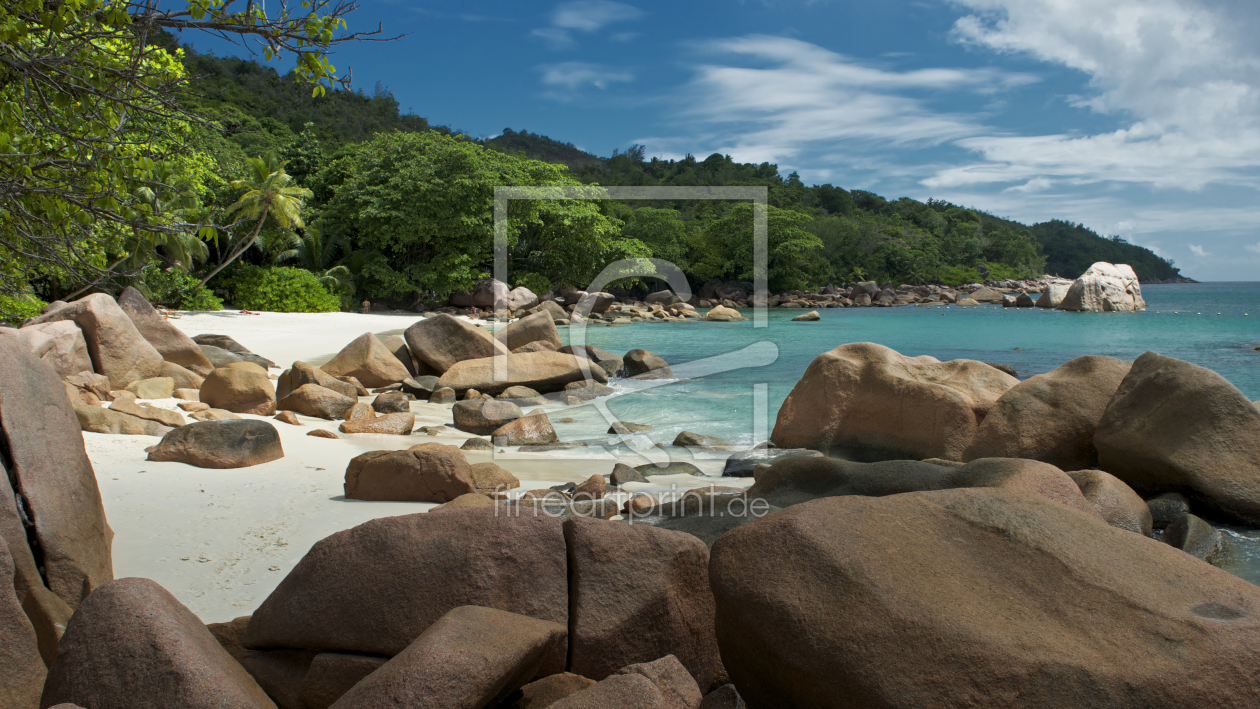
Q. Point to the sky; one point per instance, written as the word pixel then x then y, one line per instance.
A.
pixel 1137 118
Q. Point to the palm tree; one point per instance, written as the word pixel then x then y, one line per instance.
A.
pixel 268 192
pixel 317 255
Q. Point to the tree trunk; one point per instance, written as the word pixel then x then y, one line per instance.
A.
pixel 107 268
pixel 236 254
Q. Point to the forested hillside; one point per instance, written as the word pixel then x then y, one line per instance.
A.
pixel 299 201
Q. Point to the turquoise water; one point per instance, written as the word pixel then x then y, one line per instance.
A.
pixel 1215 325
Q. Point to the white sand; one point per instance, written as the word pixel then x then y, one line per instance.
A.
pixel 221 540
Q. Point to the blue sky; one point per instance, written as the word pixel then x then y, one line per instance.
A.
pixel 1136 117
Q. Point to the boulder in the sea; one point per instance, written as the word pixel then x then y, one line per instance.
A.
pixel 1176 426
pixel 317 401
pixel 240 391
pixel 687 439
pixel 1194 536
pixel 721 313
pixel 389 424
pixel 1118 504
pixel 543 371
pixel 609 362
pixel 483 416
pixel 667 577
pixel 1052 295
pixel 220 444
pixel 391 403
pixel 741 464
pixel 974 598
pixel 867 402
pixel 369 361
pixel 532 429
pixel 811 316
pixel 169 340
pixel 622 474
pixel 116 347
pixel 470 657
pixel 1051 417
pixel 132 644
pixel 443 340
pixel 1167 508
pixel 1105 288
pixel 642 364
pixel 426 564
pixel 429 472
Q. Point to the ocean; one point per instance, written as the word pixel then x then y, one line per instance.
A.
pixel 1215 325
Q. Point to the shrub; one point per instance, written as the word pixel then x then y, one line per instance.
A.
pixel 15 310
pixel 536 282
pixel 280 289
pixel 178 289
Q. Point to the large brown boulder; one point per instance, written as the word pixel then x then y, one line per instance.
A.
pixel 397 345
pixel 442 340
pixel 533 429
pixel 1051 417
pixel 611 364
pixel 429 472
pixel 1178 427
pixel 490 294
pixel 796 480
pixel 985 598
pixel 167 339
pixel 60 344
pixel 421 566
pixel 302 373
pixel 483 416
pixel 21 668
pixel 1118 504
pixel 866 402
pixel 490 478
pixel 596 302
pixel 641 364
pixel 183 378
pixel 539 327
pixel 332 674
pixel 117 348
pixel 368 360
pixel 220 444
pixel 240 391
pixel 542 371
pixel 48 466
pixel 637 594
pixel 470 657
pixel 318 402
pixel 131 644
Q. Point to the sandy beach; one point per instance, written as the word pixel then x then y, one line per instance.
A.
pixel 221 540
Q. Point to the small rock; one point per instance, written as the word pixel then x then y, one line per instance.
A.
pixel 359 412
pixel 317 401
pixel 155 388
pixel 688 439
pixel 477 444
pixel 471 499
pixel 240 391
pixel 215 415
pixel 392 424
pixel 811 316
pixel 429 472
pixel 322 433
pixel 490 478
pixel 433 430
pixel 442 395
pixel 1193 536
pixel 622 474
pixel 549 690
pixel 420 387
pixel 393 403
pixel 724 697
pixel 286 416
pixel 626 428
pixel 1167 508
pixel 534 429
pixel 191 406
pixel 484 416
pixel 592 489
pixel 187 394
pixel 674 468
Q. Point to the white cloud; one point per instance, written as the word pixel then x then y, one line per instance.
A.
pixel 591 15
pixel 1253 247
pixel 575 75
pixel 554 36
pixel 1199 251
pixel 1183 76
pixel 774 98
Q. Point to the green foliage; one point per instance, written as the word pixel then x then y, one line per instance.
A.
pixel 177 289
pixel 540 147
pixel 279 289
pixel 536 282
pixel 1072 248
pixel 424 203
pixel 961 275
pixel 792 254
pixel 15 309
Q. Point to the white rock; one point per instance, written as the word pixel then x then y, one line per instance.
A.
pixel 1105 288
